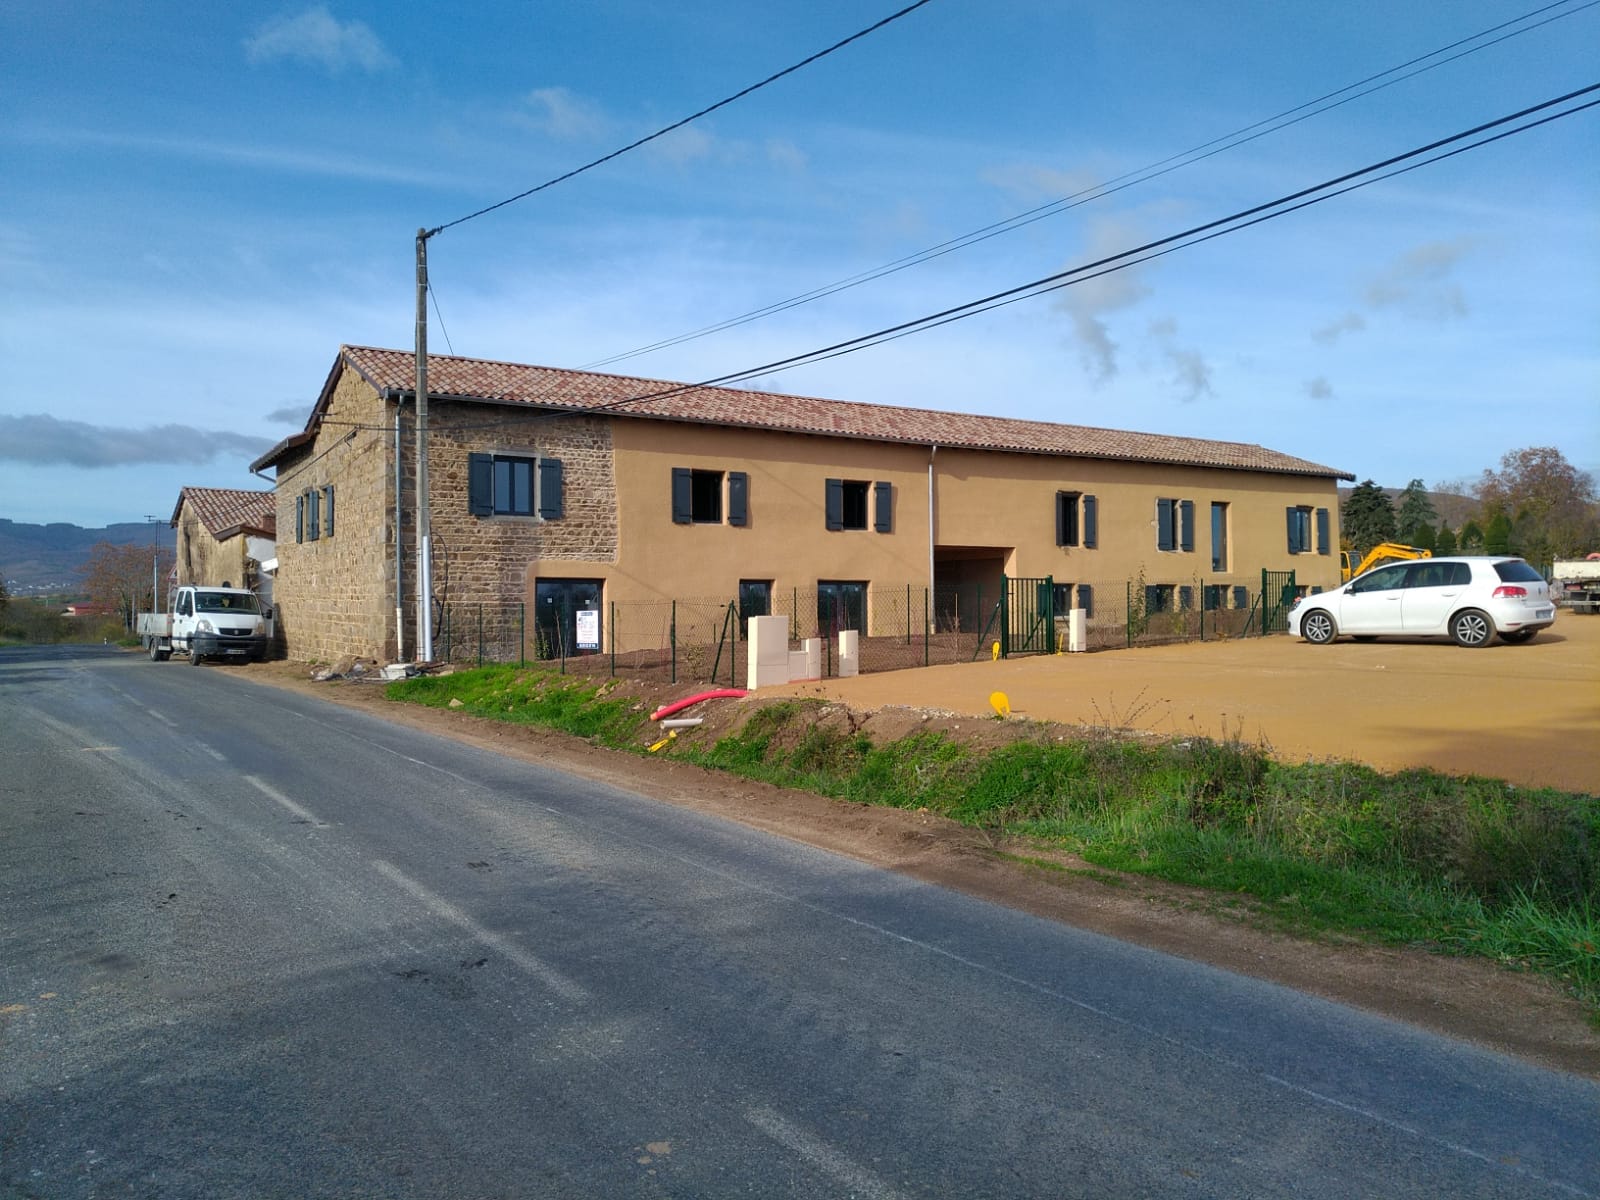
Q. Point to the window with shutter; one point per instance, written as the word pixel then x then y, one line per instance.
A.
pixel 1186 526
pixel 327 510
pixel 739 499
pixel 552 493
pixel 1166 524
pixel 883 506
pixel 1091 523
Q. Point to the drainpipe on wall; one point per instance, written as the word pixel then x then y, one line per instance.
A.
pixel 932 535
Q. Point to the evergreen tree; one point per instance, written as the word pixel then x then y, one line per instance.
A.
pixel 1447 541
pixel 1471 538
pixel 1416 510
pixel 1368 517
pixel 1423 537
pixel 1497 539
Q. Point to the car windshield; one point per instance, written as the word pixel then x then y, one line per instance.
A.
pixel 238 602
pixel 1517 571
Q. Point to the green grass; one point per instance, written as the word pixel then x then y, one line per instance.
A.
pixel 1460 865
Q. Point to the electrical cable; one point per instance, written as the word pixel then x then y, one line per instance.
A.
pixel 1145 174
pixel 739 95
pixel 432 295
pixel 1195 235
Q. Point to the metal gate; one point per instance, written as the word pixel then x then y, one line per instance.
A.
pixel 1277 597
pixel 1028 616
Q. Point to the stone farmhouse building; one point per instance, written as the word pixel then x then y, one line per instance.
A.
pixel 550 487
pixel 224 535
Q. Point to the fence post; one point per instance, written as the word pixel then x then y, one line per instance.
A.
pixel 908 614
pixel 672 639
pixel 522 635
pixel 613 630
pixel 1127 610
pixel 480 635
pixel 926 650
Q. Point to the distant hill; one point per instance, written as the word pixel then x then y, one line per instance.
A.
pixel 1451 508
pixel 45 559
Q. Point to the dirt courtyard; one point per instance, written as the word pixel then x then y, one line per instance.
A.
pixel 1528 714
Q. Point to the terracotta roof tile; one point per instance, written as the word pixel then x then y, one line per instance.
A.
pixel 554 388
pixel 222 509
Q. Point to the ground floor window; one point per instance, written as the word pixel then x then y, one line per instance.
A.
pixel 567 617
pixel 755 600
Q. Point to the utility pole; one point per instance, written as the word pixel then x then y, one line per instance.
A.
pixel 424 566
pixel 155 564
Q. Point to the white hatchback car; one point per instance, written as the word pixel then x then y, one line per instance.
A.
pixel 1467 599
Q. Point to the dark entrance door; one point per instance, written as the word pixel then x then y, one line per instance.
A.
pixel 841 606
pixel 567 617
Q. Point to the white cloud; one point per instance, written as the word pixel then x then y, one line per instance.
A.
pixel 561 114
pixel 1350 322
pixel 45 440
pixel 1319 388
pixel 1088 303
pixel 317 37
pixel 786 155
pixel 1418 282
pixel 684 145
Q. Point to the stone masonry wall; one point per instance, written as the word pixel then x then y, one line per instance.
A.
pixel 483 561
pixel 204 560
pixel 334 595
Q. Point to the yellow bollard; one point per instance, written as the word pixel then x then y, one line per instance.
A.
pixel 1001 704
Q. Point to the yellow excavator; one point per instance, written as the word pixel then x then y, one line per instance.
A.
pixel 1377 556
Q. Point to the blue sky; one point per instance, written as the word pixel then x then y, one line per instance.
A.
pixel 203 201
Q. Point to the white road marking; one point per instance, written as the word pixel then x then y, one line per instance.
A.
pixel 819 1154
pixel 272 793
pixel 440 907
pixel 216 754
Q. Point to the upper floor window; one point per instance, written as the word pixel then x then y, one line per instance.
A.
pixel 1300 519
pixel 846 504
pixel 509 485
pixel 702 497
pixel 1175 525
pixel 1077 520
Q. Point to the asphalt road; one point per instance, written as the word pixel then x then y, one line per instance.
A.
pixel 252 945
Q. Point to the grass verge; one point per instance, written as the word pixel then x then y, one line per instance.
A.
pixel 1459 865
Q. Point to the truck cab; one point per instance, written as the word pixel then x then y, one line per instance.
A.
pixel 209 622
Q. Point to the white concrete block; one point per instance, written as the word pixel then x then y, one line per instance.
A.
pixel 849 653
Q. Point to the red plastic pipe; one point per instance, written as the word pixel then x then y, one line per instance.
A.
pixel 666 710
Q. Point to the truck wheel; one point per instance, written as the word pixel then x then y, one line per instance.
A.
pixel 194 656
pixel 155 649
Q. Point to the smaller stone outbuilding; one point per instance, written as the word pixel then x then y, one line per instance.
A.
pixel 223 537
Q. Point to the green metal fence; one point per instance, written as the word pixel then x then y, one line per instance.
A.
pixel 703 640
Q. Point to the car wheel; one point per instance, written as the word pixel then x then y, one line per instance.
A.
pixel 1317 627
pixel 1517 637
pixel 1471 628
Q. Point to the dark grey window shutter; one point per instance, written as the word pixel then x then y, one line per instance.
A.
pixel 313 522
pixel 1322 531
pixel 1294 531
pixel 834 508
pixel 738 498
pixel 682 495
pixel 1241 597
pixel 300 518
pixel 1086 599
pixel 327 510
pixel 480 485
pixel 883 506
pixel 551 495
pixel 1164 525
pixel 1091 523
pixel 1061 518
pixel 1186 598
pixel 1186 520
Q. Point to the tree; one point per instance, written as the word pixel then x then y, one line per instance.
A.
pixel 5 596
pixel 121 578
pixel 1367 517
pixel 1423 537
pixel 1471 537
pixel 1416 510
pixel 1447 541
pixel 1552 506
pixel 1497 538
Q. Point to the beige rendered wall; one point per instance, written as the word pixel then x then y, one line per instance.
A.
pixel 333 597
pixel 1004 502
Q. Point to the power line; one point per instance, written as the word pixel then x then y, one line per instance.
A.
pixel 1155 170
pixel 1195 235
pixel 739 95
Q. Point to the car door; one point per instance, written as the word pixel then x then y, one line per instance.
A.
pixel 1433 592
pixel 1372 603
